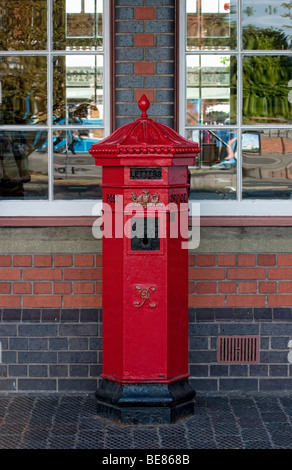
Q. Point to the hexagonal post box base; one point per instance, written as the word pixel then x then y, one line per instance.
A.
pixel 147 403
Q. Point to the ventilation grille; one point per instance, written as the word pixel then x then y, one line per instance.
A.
pixel 238 349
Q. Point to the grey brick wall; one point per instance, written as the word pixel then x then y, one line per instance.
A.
pixel 61 349
pixel 50 349
pixel 273 327
pixel 144 59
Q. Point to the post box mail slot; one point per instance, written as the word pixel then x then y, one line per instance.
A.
pixel 145 234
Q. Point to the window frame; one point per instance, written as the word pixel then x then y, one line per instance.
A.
pixel 62 208
pixel 239 207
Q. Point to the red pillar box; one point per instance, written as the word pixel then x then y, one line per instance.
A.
pixel 145 272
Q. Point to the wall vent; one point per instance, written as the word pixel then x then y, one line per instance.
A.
pixel 238 349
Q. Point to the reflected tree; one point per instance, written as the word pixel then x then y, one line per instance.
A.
pixel 265 88
pixel 255 38
pixel 266 77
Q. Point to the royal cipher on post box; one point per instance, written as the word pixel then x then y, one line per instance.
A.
pixel 145 272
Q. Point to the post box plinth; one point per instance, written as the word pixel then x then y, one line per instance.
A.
pixel 143 403
pixel 145 273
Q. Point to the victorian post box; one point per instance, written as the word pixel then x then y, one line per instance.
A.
pixel 145 272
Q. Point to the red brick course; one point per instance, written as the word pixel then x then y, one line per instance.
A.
pixel 246 260
pixel 144 13
pixel 240 280
pixel 50 281
pixel 5 288
pixel 285 260
pixel 215 280
pixel 5 260
pixel 247 287
pixel 10 274
pixel 42 260
pixel 22 260
pixel 144 40
pixel 22 288
pixel 140 93
pixel 226 260
pixel 144 68
pixel 10 301
pixel 266 260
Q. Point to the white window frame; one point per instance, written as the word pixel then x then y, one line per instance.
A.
pixel 238 207
pixel 59 208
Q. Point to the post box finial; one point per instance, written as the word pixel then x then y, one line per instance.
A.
pixel 144 104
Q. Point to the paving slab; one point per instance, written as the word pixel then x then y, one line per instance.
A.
pixel 58 421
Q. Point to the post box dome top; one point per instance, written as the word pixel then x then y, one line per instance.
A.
pixel 144 138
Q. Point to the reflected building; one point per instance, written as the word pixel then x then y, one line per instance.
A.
pixel 48 91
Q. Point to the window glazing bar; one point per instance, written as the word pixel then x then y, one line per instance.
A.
pixel 106 67
pixel 265 52
pixel 45 53
pixel 50 98
pixel 215 52
pixel 235 52
pixel 182 69
pixel 239 104
pixel 24 53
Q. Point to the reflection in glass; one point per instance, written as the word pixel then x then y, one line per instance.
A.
pixel 211 24
pixel 211 89
pixel 267 86
pixel 23 165
pixel 267 164
pixel 266 25
pixel 78 89
pixel 75 173
pixel 214 174
pixel 23 97
pixel 23 25
pixel 77 23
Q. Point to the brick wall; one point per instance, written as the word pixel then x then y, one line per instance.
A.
pixel 46 349
pixel 50 337
pixel 144 59
pixel 242 294
pixel 240 280
pixel 50 281
pixel 273 327
pixel 215 280
pixel 51 320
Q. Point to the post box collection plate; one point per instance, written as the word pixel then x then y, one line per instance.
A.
pixel 145 324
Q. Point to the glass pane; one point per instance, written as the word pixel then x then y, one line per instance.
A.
pixel 23 165
pixel 267 164
pixel 23 25
pixel 75 173
pixel 211 89
pixel 77 23
pixel 214 174
pixel 23 90
pixel 266 25
pixel 211 24
pixel 267 87
pixel 78 89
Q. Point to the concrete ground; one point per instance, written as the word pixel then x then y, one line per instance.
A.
pixel 54 421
